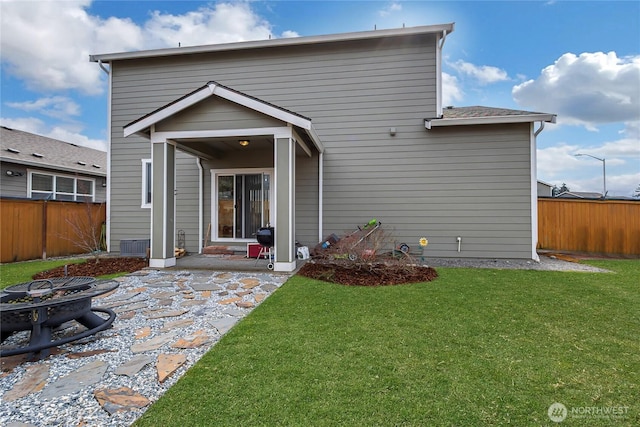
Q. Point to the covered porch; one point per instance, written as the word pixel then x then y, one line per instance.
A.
pixel 246 153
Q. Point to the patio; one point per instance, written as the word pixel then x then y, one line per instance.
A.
pixel 166 320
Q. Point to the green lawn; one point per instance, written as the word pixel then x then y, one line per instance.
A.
pixel 473 348
pixel 20 272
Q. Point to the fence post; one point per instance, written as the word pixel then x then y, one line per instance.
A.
pixel 44 229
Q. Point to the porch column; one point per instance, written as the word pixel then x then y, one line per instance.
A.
pixel 163 162
pixel 284 179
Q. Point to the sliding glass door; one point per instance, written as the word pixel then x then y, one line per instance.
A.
pixel 243 204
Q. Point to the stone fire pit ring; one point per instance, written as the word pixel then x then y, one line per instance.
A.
pixel 41 306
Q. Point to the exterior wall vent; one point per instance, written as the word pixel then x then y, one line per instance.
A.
pixel 134 247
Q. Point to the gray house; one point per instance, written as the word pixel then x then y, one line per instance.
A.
pixel 314 135
pixel 37 167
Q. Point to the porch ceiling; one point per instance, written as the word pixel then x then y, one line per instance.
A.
pixel 218 148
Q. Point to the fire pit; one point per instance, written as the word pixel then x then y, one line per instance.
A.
pixel 43 305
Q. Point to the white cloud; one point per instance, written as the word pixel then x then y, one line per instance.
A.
pixel 451 90
pixel 393 7
pixel 556 161
pixel 589 89
pixel 220 23
pixel 68 133
pixel 27 124
pixel 59 107
pixel 75 137
pixel 47 43
pixel 484 74
pixel 559 163
pixel 289 34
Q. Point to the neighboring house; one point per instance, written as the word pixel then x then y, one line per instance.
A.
pixel 314 135
pixel 579 195
pixel 37 167
pixel 545 189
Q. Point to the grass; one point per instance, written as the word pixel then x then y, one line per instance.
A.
pixel 20 272
pixel 475 347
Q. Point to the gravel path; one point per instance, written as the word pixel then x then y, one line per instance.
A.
pixel 546 264
pixel 166 321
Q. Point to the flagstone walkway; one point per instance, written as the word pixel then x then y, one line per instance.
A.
pixel 166 321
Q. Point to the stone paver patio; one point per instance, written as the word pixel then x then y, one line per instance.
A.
pixel 166 320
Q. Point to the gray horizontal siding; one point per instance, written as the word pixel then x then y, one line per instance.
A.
pixel 472 181
pixel 187 200
pixel 215 113
pixel 16 186
pixel 355 84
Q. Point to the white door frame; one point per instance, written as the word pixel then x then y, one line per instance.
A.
pixel 214 198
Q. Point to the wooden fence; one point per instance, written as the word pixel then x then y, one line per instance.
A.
pixel 32 229
pixel 593 226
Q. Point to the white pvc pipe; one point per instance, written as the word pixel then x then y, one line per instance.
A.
pixel 200 203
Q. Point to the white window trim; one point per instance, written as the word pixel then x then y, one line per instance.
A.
pixel 143 197
pixel 53 191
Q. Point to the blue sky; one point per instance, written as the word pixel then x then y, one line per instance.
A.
pixel 580 60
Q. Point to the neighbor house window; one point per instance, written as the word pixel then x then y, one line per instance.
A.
pixel 61 187
pixel 146 183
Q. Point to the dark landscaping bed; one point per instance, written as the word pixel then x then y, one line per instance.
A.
pixel 367 274
pixel 90 268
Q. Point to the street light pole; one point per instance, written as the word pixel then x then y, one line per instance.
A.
pixel 604 172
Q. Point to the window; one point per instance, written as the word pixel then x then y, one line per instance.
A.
pixel 146 183
pixel 61 187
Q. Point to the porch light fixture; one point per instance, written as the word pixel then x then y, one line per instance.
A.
pixel 243 142
pixel 13 173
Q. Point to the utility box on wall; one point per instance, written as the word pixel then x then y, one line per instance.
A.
pixel 134 247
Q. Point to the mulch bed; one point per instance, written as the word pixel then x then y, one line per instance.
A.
pixel 91 269
pixel 359 274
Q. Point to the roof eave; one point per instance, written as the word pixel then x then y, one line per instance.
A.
pixel 49 166
pixel 467 121
pixel 292 41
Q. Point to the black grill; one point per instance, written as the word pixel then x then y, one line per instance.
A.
pixel 265 237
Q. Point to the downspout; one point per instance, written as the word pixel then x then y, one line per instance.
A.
pixel 439 46
pixel 534 194
pixel 200 202
pixel 108 178
pixel 443 39
pixel 320 193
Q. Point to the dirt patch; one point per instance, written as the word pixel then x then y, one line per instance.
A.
pixel 374 274
pixel 91 269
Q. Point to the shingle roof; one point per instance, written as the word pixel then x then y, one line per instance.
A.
pixel 478 111
pixel 34 150
pixel 579 195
